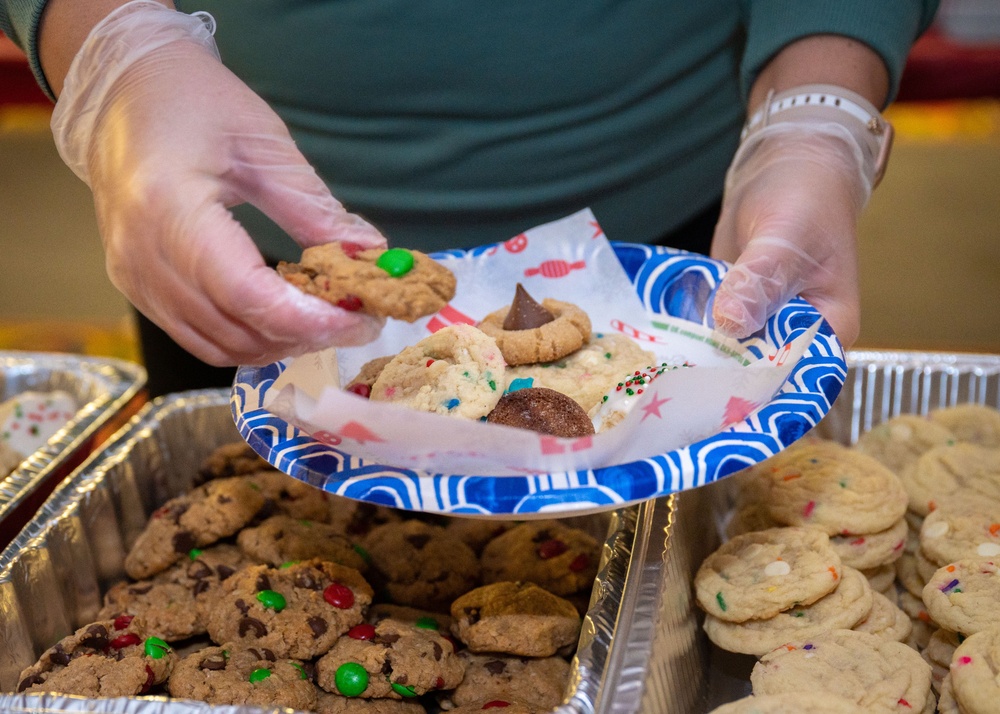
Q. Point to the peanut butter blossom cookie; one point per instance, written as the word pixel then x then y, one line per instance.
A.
pixel 110 658
pixel 398 283
pixel 296 611
pixel 761 573
pixel 457 371
pixel 243 675
pixel 528 332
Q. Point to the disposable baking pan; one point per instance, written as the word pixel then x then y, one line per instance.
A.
pixel 53 575
pixel 104 390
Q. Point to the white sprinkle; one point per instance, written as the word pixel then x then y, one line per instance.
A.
pixel 988 549
pixel 935 530
pixel 777 567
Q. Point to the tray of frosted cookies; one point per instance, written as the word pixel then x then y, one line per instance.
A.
pixel 177 571
pixel 857 570
pixel 53 408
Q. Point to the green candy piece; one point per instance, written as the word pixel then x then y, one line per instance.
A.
pixel 259 675
pixel 155 647
pixel 302 670
pixel 271 599
pixel 288 564
pixel 427 623
pixel 351 679
pixel 396 261
pixel 403 689
pixel 362 552
pixel 194 553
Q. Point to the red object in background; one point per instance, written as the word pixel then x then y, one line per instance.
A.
pixel 940 68
pixel 17 83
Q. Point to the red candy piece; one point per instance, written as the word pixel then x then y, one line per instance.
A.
pixel 579 563
pixel 127 640
pixel 122 621
pixel 452 641
pixel 361 632
pixel 362 390
pixel 351 250
pixel 339 595
pixel 496 704
pixel 150 679
pixel 551 548
pixel 439 683
pixel 351 303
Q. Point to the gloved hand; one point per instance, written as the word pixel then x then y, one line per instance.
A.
pixel 168 138
pixel 793 196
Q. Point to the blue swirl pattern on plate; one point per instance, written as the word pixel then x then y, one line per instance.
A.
pixel 669 282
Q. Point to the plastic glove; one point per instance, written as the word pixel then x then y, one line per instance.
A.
pixel 793 196
pixel 168 139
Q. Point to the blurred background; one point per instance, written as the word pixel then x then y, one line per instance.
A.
pixel 930 238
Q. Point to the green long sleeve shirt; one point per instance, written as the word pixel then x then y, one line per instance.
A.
pixel 451 123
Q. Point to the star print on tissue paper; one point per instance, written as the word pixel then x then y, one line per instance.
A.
pixel 653 408
pixel 737 409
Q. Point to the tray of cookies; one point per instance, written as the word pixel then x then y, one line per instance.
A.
pixel 53 408
pixel 177 571
pixel 855 571
pixel 560 373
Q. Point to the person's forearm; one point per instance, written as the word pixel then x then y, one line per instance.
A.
pixel 64 26
pixel 824 59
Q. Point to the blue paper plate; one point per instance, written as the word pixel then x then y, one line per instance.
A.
pixel 670 282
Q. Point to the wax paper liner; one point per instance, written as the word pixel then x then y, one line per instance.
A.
pixel 570 260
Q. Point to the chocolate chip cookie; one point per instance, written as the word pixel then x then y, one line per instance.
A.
pixel 561 559
pixel 281 539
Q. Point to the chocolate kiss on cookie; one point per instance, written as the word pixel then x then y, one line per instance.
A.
pixel 543 410
pixel 525 313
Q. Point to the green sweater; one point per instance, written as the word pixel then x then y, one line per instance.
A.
pixel 451 123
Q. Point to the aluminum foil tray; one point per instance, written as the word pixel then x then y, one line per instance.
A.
pixel 53 575
pixel 103 388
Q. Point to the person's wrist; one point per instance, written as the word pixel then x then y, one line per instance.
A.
pixel 820 104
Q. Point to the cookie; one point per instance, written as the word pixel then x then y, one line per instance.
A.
pixel 759 574
pixel 9 459
pixel 881 578
pixel 529 333
pixel 235 458
pixel 457 371
pixel 939 653
pixel 871 550
pixel 907 575
pixel 616 404
pixel 507 706
pixel 281 539
pixel 420 565
pixel 515 618
pixel 828 486
pixel 543 410
pixel 844 608
pixel 109 658
pixel 974 423
pixel 946 470
pixel 539 684
pixel 289 495
pixel 439 621
pixel 362 382
pixel 398 283
pixel 963 596
pixel 297 611
pixel 195 519
pixel 356 519
pixel 946 702
pixel 962 526
pixel 790 703
pixel 392 659
pixel 559 558
pixel 243 675
pixel 975 672
pixel 169 609
pixel 877 674
pixel 901 440
pixel 920 619
pixel 339 704
pixel 886 619
pixel 477 532
pixel 587 374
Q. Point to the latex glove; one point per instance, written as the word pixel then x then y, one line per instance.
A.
pixel 168 139
pixel 793 196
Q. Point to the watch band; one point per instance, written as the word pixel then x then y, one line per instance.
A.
pixel 820 102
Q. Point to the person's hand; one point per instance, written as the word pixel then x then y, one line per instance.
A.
pixel 168 139
pixel 792 200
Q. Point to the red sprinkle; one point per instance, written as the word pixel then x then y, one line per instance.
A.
pixel 351 303
pixel 361 632
pixel 351 250
pixel 122 621
pixel 807 511
pixel 127 640
pixel 579 563
pixel 904 703
pixel 964 660
pixel 551 548
pixel 496 704
pixel 362 390
pixel 339 595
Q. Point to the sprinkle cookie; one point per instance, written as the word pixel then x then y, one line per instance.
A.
pixel 974 423
pixel 457 371
pixel 886 619
pixel 873 549
pixel 791 703
pixel 962 526
pixel 945 470
pixel 900 441
pixel 758 574
pixel 975 672
pixel 962 596
pixel 398 283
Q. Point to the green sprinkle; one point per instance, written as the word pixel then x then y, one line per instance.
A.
pixel 259 675
pixel 288 564
pixel 363 553
pixel 194 553
pixel 427 623
pixel 254 486
pixel 798 613
pixel 351 679
pixel 843 483
pixel 604 398
pixel 272 600
pixel 722 602
pixel 465 374
pixel 302 670
pixel 405 690
pixel 307 523
pixel 493 385
pixel 155 647
pixel 607 355
pixel 629 392
pixel 396 262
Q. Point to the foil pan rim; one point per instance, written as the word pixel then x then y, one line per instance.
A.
pixel 119 381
